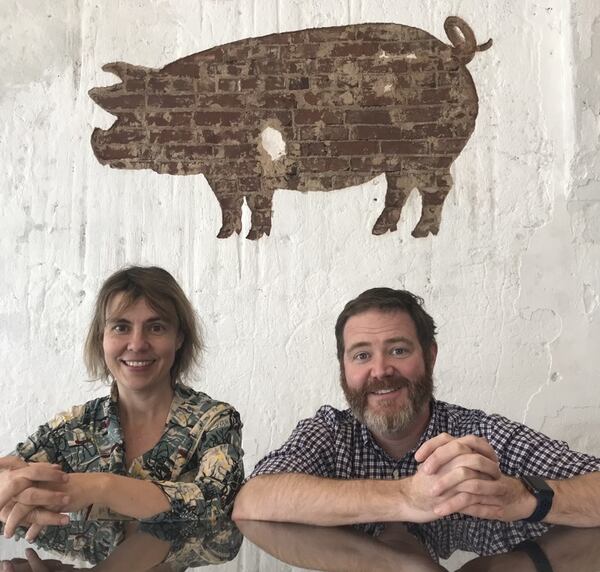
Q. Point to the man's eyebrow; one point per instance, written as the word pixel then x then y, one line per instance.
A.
pixel 396 340
pixel 357 345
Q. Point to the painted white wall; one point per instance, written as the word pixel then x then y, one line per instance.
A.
pixel 513 278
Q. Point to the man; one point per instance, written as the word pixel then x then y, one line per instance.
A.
pixel 400 455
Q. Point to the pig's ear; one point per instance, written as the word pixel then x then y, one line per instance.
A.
pixel 118 68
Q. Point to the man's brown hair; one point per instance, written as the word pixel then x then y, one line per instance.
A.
pixel 389 300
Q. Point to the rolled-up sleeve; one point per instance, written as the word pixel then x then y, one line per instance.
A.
pixel 209 491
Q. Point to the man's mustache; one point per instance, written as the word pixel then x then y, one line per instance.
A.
pixel 390 382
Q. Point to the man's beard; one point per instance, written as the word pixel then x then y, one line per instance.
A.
pixel 419 393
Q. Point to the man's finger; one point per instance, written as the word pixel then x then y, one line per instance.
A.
pixel 466 501
pixel 453 449
pixel 431 445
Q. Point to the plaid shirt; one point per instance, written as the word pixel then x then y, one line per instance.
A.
pixel 333 444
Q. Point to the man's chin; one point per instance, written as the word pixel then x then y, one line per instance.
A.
pixel 387 424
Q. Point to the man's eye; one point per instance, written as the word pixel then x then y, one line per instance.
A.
pixel 399 351
pixel 361 356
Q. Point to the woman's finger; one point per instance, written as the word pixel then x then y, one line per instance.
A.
pixel 42 497
pixel 33 532
pixel 17 515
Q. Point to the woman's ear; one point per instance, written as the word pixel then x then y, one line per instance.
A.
pixel 179 340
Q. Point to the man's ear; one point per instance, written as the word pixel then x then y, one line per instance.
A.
pixel 433 350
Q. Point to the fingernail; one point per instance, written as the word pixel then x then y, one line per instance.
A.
pixel 65 478
pixel 65 520
pixel 65 499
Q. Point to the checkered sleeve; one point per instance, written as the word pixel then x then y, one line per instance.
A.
pixel 308 450
pixel 524 451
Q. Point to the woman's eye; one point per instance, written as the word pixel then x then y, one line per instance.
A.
pixel 157 328
pixel 119 328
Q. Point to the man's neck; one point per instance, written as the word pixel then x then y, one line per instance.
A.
pixel 396 445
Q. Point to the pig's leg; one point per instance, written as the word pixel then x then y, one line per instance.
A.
pixel 432 202
pixel 231 211
pixel 397 192
pixel 260 217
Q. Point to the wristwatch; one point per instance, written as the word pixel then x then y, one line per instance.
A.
pixel 543 494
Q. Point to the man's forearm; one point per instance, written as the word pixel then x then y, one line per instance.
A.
pixel 576 501
pixel 295 497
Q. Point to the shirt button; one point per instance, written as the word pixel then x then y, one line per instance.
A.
pixel 396 473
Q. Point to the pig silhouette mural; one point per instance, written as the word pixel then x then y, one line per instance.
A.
pixel 311 110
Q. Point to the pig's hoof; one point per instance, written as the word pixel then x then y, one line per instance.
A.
pixel 255 234
pixel 227 231
pixel 381 227
pixel 423 230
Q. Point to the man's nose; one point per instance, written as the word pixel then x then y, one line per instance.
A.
pixel 381 366
pixel 138 340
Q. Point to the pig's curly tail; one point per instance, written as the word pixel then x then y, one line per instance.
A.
pixel 463 39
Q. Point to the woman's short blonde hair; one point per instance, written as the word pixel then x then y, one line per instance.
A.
pixel 164 295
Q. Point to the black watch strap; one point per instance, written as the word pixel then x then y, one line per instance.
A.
pixel 543 494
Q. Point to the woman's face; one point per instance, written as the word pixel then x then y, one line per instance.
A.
pixel 139 345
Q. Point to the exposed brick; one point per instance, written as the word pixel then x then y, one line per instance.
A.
pixel 169 118
pixel 277 100
pixel 172 136
pixel 320 133
pixel 324 164
pixel 448 146
pixel 274 82
pixel 118 101
pixel 308 116
pixel 369 116
pixel 351 102
pixel 112 152
pixel 225 136
pixel 304 51
pixel 315 149
pixel 217 117
pixel 166 101
pixel 188 152
pixel 354 49
pixel 354 147
pixel 298 83
pixel 228 85
pixel 221 101
pixel 405 147
pixel 237 151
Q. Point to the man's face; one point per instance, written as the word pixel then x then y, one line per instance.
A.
pixel 385 376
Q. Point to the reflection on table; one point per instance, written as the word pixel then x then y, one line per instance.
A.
pixel 132 546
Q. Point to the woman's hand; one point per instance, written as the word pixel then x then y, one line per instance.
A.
pixel 24 498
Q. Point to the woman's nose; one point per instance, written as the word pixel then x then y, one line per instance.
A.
pixel 137 341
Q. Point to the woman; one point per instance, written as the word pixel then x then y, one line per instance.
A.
pixel 154 448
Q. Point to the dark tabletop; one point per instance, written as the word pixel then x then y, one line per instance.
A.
pixel 264 546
